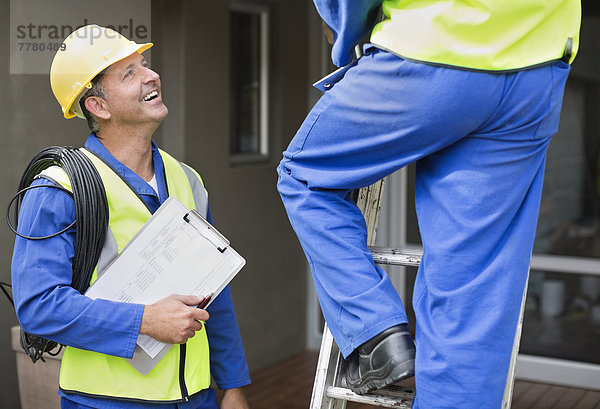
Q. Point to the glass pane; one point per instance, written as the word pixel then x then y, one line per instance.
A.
pixel 245 83
pixel 562 317
pixel 569 221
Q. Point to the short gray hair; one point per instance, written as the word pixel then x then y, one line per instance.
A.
pixel 97 90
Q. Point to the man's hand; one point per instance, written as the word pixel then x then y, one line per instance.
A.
pixel 234 399
pixel 173 319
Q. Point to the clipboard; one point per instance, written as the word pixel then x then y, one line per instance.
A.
pixel 327 82
pixel 176 252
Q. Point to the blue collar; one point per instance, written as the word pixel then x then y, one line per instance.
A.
pixel 134 180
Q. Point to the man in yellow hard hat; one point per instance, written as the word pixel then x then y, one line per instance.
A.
pixel 103 77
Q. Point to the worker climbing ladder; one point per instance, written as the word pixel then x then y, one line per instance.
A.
pixel 328 389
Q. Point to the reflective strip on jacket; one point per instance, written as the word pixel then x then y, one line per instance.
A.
pixel 95 374
pixel 495 35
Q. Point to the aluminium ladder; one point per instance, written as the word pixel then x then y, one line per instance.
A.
pixel 328 389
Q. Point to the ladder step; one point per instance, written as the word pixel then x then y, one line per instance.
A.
pixel 392 396
pixel 396 256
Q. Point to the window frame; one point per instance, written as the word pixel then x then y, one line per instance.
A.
pixel 263 153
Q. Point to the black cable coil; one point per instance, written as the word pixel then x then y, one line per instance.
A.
pixel 91 221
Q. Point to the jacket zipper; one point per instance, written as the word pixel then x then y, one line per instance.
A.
pixel 184 391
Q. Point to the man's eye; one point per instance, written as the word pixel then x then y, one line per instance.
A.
pixel 128 74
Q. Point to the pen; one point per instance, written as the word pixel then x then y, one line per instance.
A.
pixel 205 301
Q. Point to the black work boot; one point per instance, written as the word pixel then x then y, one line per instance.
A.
pixel 386 358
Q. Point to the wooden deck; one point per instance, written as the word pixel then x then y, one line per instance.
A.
pixel 288 385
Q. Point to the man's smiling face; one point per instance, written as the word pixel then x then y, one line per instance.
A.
pixel 133 92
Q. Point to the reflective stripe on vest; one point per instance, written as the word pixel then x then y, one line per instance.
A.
pixel 483 35
pixel 92 373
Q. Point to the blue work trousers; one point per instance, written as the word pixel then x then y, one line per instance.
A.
pixel 479 141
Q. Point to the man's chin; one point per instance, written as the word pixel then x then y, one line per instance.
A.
pixel 163 114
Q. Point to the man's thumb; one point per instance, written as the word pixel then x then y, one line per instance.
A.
pixel 189 299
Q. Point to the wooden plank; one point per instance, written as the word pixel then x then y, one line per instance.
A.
pixel 552 395
pixel 284 384
pixel 521 388
pixel 528 399
pixel 569 399
pixel 590 400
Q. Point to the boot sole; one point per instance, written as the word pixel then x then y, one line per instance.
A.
pixel 402 371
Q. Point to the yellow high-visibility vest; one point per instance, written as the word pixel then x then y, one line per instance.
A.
pixel 95 374
pixel 494 35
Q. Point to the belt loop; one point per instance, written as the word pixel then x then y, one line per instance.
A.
pixel 568 51
pixel 358 51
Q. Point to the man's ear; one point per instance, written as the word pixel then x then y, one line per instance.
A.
pixel 97 107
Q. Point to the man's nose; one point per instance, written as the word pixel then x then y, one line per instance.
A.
pixel 150 75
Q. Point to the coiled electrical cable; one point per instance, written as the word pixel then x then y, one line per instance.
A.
pixel 91 222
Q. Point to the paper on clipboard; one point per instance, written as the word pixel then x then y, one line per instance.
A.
pixel 175 252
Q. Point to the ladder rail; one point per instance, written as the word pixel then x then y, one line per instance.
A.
pixel 376 399
pixel 328 368
pixel 369 203
pixel 510 380
pixel 396 256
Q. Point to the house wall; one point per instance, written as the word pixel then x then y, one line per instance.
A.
pixel 269 292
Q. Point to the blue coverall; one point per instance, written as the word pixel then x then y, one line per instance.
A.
pixel 46 304
pixel 479 142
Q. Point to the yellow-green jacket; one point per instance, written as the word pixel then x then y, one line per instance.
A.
pixel 490 35
pixel 481 34
pixel 185 369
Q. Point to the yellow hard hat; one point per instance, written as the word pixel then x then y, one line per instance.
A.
pixel 86 52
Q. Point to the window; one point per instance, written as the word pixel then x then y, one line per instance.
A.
pixel 248 76
pixel 562 315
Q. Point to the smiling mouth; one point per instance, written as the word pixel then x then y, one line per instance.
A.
pixel 151 96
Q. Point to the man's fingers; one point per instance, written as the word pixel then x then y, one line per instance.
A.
pixel 173 319
pixel 187 299
pixel 201 315
pixel 197 326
